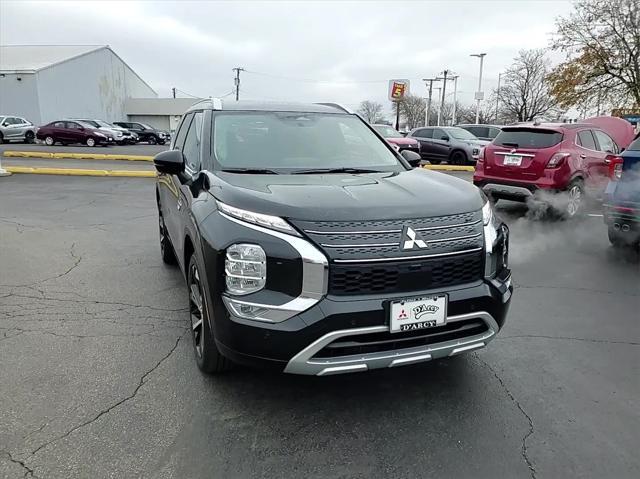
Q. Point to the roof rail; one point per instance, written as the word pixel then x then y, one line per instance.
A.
pixel 217 103
pixel 338 106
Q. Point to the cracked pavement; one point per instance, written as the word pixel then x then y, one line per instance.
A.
pixel 98 377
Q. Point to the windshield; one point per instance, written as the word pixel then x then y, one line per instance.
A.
pixel 387 132
pixel 87 123
pixel 146 127
pixel 289 141
pixel 103 123
pixel 461 134
pixel 527 138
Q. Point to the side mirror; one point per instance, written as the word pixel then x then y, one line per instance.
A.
pixel 170 161
pixel 412 157
pixel 444 138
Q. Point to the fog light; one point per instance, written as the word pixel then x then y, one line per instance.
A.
pixel 245 268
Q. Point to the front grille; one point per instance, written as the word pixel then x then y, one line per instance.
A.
pixel 370 240
pixel 404 276
pixel 380 342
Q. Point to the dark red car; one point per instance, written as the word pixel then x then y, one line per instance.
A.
pixel 539 161
pixel 67 131
pixel 395 138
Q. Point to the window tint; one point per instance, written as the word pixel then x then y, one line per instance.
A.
pixel 606 143
pixel 439 133
pixel 528 138
pixel 182 132
pixel 73 125
pixel 493 132
pixel 423 133
pixel 58 124
pixel 191 149
pixel 585 139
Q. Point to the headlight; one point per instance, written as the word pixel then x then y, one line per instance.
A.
pixel 487 213
pixel 161 135
pixel 268 221
pixel 245 268
pixel 118 134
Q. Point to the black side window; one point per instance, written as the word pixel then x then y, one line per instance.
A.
pixel 493 132
pixel 58 124
pixel 72 125
pixel 481 132
pixel 191 149
pixel 423 133
pixel 585 140
pixel 182 132
pixel 438 134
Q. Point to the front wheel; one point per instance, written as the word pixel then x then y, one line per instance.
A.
pixel 29 137
pixel 208 358
pixel 458 158
pixel 435 162
pixel 152 140
pixel 91 142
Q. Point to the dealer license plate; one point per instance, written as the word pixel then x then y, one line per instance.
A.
pixel 512 160
pixel 418 313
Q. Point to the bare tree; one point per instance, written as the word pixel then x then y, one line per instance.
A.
pixel 525 94
pixel 413 108
pixel 602 41
pixel 371 111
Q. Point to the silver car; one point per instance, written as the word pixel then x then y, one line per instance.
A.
pixel 454 145
pixel 16 128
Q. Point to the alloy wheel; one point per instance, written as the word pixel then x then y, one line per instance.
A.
pixel 91 142
pixel 574 200
pixel 49 141
pixel 196 309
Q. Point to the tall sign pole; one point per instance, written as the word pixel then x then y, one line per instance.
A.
pixel 479 93
pixel 398 89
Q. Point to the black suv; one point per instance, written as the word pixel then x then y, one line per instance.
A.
pixel 310 245
pixel 145 132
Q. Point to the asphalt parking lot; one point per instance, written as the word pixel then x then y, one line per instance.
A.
pixel 98 377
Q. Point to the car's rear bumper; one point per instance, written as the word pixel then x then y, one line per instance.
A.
pixel 508 190
pixel 313 342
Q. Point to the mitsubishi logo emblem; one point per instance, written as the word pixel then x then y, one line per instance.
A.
pixel 411 239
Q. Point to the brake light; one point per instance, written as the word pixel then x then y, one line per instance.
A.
pixel 557 160
pixel 615 168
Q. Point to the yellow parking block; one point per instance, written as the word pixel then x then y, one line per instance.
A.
pixel 81 172
pixel 449 167
pixel 75 156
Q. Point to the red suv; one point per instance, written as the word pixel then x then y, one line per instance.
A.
pixel 526 161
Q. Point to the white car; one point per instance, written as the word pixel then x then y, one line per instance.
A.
pixel 120 135
pixel 15 128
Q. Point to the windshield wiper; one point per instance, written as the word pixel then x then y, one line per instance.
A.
pixel 255 171
pixel 334 170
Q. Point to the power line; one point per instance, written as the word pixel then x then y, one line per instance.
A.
pixel 312 80
pixel 184 93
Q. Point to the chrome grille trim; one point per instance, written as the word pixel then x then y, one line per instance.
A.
pixel 352 232
pixel 407 258
pixel 461 225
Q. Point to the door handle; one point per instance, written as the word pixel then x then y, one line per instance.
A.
pixel 582 156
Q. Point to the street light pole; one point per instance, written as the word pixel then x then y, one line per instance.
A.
pixel 479 94
pixel 427 111
pixel 498 98
pixel 455 95
pixel 444 90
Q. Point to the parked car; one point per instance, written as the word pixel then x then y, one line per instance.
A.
pixel 622 198
pixel 396 138
pixel 310 253
pixel 66 132
pixel 145 132
pixel 483 132
pixel 16 128
pixel 526 161
pixel 122 135
pixel 448 143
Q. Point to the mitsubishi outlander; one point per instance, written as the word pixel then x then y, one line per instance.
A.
pixel 310 245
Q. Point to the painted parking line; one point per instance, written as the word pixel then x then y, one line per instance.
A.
pixel 80 172
pixel 74 156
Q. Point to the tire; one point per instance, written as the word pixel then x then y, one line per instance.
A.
pixel 1 138
pixel 575 200
pixel 29 137
pixel 161 142
pixel 435 162
pixel 90 142
pixel 208 358
pixel 49 141
pixel 614 238
pixel 152 140
pixel 166 248
pixel 457 158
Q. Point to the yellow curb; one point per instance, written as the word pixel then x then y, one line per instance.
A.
pixel 81 172
pixel 74 156
pixel 449 167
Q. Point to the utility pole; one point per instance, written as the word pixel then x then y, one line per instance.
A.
pixel 427 112
pixel 173 91
pixel 444 90
pixel 439 110
pixel 237 81
pixel 455 100
pixel 479 94
pixel 498 98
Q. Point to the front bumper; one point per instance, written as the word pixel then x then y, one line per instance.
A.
pixel 297 345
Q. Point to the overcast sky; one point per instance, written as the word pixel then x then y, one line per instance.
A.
pixel 300 50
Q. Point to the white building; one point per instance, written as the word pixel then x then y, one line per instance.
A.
pixel 161 113
pixel 46 82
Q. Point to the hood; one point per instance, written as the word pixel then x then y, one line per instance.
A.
pixel 620 130
pixel 402 141
pixel 478 142
pixel 415 193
